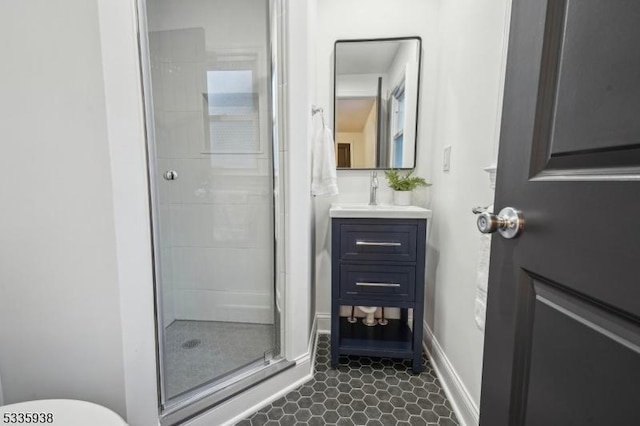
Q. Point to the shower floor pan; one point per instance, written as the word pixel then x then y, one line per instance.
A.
pixel 197 352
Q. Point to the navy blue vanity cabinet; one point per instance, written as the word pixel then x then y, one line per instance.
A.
pixel 378 262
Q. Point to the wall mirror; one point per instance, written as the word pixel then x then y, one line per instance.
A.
pixel 376 84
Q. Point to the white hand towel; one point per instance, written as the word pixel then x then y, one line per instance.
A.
pixel 324 180
pixel 482 279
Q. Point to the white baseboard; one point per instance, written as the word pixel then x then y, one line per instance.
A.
pixel 324 323
pixel 466 410
pixel 313 342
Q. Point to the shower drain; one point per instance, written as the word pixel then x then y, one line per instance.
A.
pixel 190 344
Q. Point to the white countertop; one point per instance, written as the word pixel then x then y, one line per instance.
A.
pixel 364 211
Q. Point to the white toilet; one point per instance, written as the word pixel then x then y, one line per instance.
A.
pixel 66 412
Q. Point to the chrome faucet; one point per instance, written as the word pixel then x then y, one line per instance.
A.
pixel 373 187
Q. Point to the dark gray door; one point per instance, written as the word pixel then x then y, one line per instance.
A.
pixel 562 343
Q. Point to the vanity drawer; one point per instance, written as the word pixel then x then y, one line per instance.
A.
pixel 388 283
pixel 378 242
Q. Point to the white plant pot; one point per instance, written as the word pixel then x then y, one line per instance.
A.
pixel 402 198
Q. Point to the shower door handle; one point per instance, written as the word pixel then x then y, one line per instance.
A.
pixel 170 175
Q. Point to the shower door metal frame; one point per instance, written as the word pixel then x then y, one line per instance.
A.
pixel 195 401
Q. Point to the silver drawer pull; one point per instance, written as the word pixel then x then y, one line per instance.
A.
pixel 378 284
pixel 373 243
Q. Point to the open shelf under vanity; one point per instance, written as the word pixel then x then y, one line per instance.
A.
pixel 393 340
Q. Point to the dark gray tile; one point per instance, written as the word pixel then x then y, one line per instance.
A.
pixel 259 419
pixel 385 407
pixel 330 416
pixel 345 387
pixel 288 420
pixel 369 389
pixel 359 418
pixel 345 421
pixel 331 404
pixel 425 404
pixel 275 413
pixel 293 396
pixel 332 392
pixel 290 408
pixel 306 390
pixel 358 405
pixel 401 414
pixel 397 402
pixel 436 398
pixel 417 421
pixel 410 397
pixel 279 402
pixel 388 420
pixel 442 411
pixel 371 400
pixel 345 399
pixel 362 391
pixel 318 397
pixel 303 414
pixel 345 411
pixel 357 394
pixel 317 409
pixel 430 416
pixel 383 395
pixel 413 409
pixel 373 412
pixel 316 421
pixel 447 422
pixel 305 402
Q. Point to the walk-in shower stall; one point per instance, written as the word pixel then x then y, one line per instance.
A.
pixel 209 69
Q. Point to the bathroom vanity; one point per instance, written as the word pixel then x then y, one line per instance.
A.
pixel 378 259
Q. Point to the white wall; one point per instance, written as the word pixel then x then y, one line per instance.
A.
pixel 59 300
pixel 460 104
pixel 375 19
pixel 357 85
pixel 126 130
pixel 298 89
pixel 470 80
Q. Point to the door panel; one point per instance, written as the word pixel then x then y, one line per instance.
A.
pixel 583 362
pixel 563 315
pixel 589 96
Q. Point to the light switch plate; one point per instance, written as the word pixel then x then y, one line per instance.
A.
pixel 446 160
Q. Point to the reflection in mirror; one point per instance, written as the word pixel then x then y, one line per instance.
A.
pixel 376 102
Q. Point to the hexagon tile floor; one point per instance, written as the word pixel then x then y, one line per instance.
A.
pixel 362 391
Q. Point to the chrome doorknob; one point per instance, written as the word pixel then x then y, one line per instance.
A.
pixel 170 175
pixel 509 222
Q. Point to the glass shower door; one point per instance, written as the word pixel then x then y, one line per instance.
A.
pixel 212 166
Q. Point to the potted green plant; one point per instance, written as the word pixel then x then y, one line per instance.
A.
pixel 402 186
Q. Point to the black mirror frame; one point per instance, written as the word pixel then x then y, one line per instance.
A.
pixel 335 69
